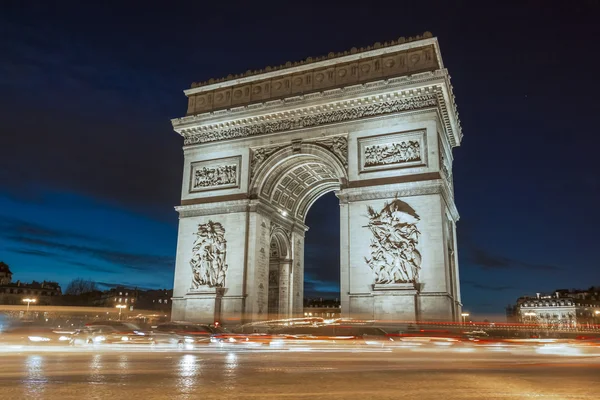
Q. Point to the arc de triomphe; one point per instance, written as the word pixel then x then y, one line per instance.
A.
pixel 376 125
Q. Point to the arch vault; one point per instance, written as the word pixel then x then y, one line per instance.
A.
pixel 375 125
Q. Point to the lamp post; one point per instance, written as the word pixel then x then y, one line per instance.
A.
pixel 29 301
pixel 464 317
pixel 120 307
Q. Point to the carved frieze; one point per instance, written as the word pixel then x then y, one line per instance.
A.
pixel 208 261
pixel 316 119
pixel 215 174
pixel 398 150
pixel 394 255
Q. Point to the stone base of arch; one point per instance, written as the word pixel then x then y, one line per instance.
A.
pixel 249 226
pixel 434 293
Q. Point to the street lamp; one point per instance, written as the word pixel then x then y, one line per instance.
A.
pixel 464 316
pixel 120 307
pixel 29 301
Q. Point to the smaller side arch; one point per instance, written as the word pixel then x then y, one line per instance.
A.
pixel 280 240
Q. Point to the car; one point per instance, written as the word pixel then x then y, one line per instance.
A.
pixel 327 335
pixel 184 335
pixel 111 332
pixel 30 334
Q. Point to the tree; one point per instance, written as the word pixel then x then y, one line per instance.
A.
pixel 80 286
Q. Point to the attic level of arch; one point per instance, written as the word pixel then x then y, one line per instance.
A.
pixel 322 76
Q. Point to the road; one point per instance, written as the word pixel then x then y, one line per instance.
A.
pixel 233 374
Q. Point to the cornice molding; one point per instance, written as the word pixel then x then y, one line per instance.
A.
pixel 297 113
pixel 239 206
pixel 437 186
pixel 223 207
pixel 316 119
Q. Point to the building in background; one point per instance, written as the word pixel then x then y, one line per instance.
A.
pixel 324 308
pixel 135 298
pixel 5 274
pixel 45 292
pixel 561 309
pixel 159 299
pixel 119 295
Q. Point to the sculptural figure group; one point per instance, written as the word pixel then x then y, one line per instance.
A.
pixel 394 254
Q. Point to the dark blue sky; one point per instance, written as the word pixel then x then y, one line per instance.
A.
pixel 90 168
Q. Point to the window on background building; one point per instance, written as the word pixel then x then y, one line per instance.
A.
pixel 120 298
pixel 115 299
pixel 120 293
pixel 126 294
pixel 166 301
pixel 126 300
pixel 132 300
pixel 159 301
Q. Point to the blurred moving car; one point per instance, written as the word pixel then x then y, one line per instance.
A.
pixel 329 335
pixel 247 340
pixel 30 334
pixel 111 332
pixel 184 335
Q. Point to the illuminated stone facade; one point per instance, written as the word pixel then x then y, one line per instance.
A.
pixel 561 309
pixel 375 125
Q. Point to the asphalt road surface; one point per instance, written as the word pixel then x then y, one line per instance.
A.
pixel 225 374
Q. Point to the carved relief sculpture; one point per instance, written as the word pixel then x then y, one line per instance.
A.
pixel 259 155
pixel 208 256
pixel 394 254
pixel 338 146
pixel 215 176
pixel 445 169
pixel 392 153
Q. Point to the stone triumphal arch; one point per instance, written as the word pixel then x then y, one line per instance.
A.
pixel 376 125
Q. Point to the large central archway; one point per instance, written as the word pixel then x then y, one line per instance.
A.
pixel 375 125
pixel 290 179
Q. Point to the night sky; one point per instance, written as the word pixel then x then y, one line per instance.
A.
pixel 90 168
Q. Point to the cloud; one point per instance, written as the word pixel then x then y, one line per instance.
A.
pixel 315 286
pixel 95 268
pixel 15 226
pixel 493 288
pixel 129 285
pixel 489 261
pixel 32 252
pixel 62 245
pixel 134 261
